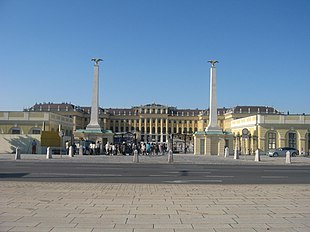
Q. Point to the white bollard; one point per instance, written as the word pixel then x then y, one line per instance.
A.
pixel 81 150
pixel 135 156
pixel 170 157
pixel 49 153
pixel 236 154
pixel 71 152
pixel 17 153
pixel 257 156
pixel 288 157
pixel 226 152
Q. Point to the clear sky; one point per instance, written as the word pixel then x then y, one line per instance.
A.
pixel 155 51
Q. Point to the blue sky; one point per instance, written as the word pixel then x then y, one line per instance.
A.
pixel 155 51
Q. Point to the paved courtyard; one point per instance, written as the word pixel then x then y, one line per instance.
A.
pixel 178 158
pixel 29 206
pixel 92 207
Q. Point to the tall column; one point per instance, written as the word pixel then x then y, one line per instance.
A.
pixel 213 125
pixel 161 131
pixel 93 124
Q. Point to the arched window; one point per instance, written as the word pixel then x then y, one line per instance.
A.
pixel 292 138
pixel 16 130
pixel 272 138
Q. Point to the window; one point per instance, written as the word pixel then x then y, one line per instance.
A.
pixel 169 130
pixel 164 130
pixel 174 130
pixel 158 130
pixel 272 140
pixel 116 128
pixel 142 129
pixel 190 130
pixel 16 131
pixel 185 130
pixel 292 139
pixel 153 130
pixel 308 142
pixel 122 129
pixel 36 131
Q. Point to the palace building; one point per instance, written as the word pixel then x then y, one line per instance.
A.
pixel 253 127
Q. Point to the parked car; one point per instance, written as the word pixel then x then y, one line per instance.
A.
pixel 282 151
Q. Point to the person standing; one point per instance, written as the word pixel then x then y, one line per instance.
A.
pixel 34 147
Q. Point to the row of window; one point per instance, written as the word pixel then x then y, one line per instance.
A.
pixel 149 120
pixel 291 140
pixel 35 131
pixel 17 130
pixel 164 131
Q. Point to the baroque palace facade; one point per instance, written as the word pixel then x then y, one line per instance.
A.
pixel 266 127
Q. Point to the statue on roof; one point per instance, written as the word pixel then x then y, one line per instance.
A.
pixel 97 60
pixel 213 62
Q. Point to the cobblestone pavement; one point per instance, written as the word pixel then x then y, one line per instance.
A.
pixel 178 158
pixel 33 206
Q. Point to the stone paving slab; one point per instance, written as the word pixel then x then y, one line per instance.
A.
pixel 47 206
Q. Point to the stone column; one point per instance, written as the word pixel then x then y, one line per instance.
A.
pixel 93 124
pixel 213 125
pixel 161 131
pixel 145 130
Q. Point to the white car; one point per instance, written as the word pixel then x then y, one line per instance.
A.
pixel 282 151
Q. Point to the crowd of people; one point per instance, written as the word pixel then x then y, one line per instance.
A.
pixel 128 148
pixel 124 148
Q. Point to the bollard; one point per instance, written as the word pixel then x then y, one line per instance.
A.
pixel 236 154
pixel 226 152
pixel 170 157
pixel 135 156
pixel 81 150
pixel 17 153
pixel 288 157
pixel 257 156
pixel 49 153
pixel 71 152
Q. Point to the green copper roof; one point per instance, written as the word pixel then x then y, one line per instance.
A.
pixel 213 133
pixel 95 131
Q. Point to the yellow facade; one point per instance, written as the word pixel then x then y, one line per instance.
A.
pixel 19 128
pixel 156 123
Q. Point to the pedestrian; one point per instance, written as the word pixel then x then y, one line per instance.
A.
pixel 67 147
pixel 107 150
pixel 34 147
pixel 98 148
